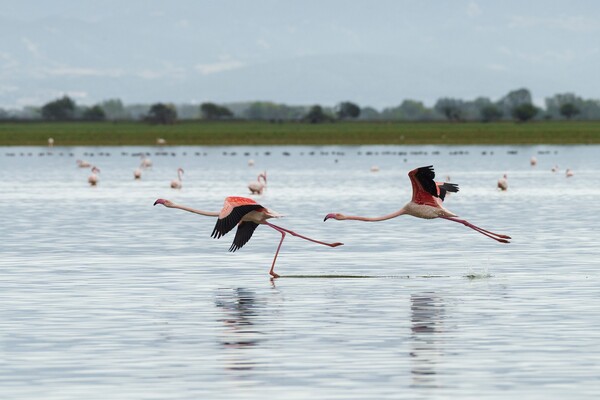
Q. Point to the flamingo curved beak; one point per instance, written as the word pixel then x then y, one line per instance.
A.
pixel 159 201
pixel 332 215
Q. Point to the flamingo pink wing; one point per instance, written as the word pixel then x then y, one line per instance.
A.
pixel 234 209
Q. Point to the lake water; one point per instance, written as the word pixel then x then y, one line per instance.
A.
pixel 103 295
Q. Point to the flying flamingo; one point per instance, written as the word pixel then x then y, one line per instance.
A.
pixel 247 215
pixel 426 203
pixel 257 186
pixel 176 183
pixel 503 183
pixel 93 178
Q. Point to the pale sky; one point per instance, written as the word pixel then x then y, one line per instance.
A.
pixel 374 53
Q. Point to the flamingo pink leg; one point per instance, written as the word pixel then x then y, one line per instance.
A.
pixel 271 272
pixel 300 236
pixel 496 236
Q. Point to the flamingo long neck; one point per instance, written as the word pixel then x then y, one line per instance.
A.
pixel 374 219
pixel 193 210
pixel 179 171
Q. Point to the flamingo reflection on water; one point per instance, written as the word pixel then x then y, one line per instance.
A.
pixel 426 203
pixel 246 214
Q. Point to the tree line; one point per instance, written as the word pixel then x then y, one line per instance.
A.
pixel 516 105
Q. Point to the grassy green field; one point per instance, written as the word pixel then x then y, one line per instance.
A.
pixel 292 133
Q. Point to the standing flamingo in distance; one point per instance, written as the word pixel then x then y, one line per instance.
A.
pixel 569 173
pixel 247 215
pixel 257 186
pixel 426 203
pixel 93 178
pixel 533 161
pixel 176 183
pixel 137 173
pixel 503 183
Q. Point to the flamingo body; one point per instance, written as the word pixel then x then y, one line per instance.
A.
pixel 93 178
pixel 427 203
pixel 83 164
pixel 503 183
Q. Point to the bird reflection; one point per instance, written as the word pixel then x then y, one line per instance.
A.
pixel 427 317
pixel 239 308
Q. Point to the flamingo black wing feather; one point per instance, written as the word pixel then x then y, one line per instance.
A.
pixel 446 187
pixel 243 234
pixel 229 222
pixel 425 176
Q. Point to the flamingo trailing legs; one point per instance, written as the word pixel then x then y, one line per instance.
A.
pixel 426 203
pixel 246 214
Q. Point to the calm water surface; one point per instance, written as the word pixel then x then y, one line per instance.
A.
pixel 103 295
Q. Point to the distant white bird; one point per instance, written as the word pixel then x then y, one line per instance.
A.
pixel 176 183
pixel 503 183
pixel 250 162
pixel 50 142
pixel 569 173
pixel 533 161
pixel 375 168
pixel 83 164
pixel 137 174
pixel 257 187
pixel 93 178
pixel 161 141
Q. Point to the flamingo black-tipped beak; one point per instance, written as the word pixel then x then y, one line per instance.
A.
pixel 159 201
pixel 328 216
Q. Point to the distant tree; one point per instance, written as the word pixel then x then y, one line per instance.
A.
pixel 524 112
pixel 346 110
pixel 3 114
pixel 114 109
pixel 162 114
pixel 450 108
pixel 59 110
pixel 214 111
pixel 94 113
pixel 513 100
pixel 316 115
pixel 266 110
pixel 569 110
pixel 369 113
pixel 490 113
